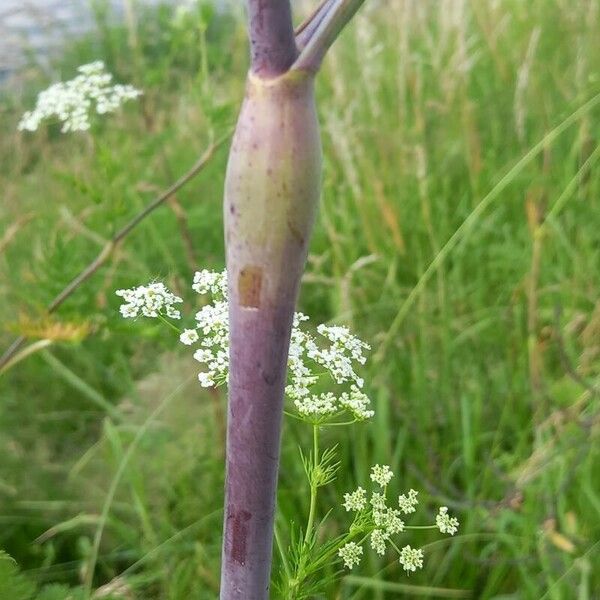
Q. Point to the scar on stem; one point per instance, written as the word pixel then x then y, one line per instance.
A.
pixel 239 536
pixel 249 286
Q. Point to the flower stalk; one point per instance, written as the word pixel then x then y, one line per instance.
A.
pixel 272 190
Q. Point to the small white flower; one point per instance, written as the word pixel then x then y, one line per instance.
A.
pixel 408 503
pixel 206 380
pixel 357 403
pixel 344 349
pixel 150 300
pixel 128 311
pixel 211 282
pixel 350 553
pixel 393 523
pixel 378 539
pixel 355 501
pixel 446 523
pixel 321 405
pixel 189 337
pixel 172 313
pixel 411 559
pixel 212 320
pixel 71 102
pixel 381 475
pixel 378 501
pixel 388 519
pixel 306 359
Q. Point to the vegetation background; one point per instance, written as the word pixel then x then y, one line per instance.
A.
pixel 459 234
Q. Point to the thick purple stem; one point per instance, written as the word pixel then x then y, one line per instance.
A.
pixel 271 195
pixel 272 44
pixel 256 387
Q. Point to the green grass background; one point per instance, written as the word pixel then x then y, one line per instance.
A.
pixel 459 234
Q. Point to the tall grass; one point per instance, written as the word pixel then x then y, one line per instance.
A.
pixel 458 233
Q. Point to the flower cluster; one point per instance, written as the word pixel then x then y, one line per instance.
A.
pixel 213 321
pixel 337 356
pixel 411 559
pixel 71 102
pixel 211 282
pixel 381 475
pixel 382 521
pixel 351 554
pixel 445 523
pixel 355 501
pixel 152 300
pixel 335 352
pixel 408 503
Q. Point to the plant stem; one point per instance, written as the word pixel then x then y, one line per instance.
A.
pixel 318 36
pixel 272 190
pixel 272 44
pixel 329 555
pixel 169 324
pixel 313 487
pixel 284 562
pixel 271 194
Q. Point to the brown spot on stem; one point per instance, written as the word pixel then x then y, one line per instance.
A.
pixel 268 378
pixel 239 536
pixel 249 286
pixel 295 232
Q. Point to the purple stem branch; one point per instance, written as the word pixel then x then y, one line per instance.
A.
pixel 272 45
pixel 307 28
pixel 317 36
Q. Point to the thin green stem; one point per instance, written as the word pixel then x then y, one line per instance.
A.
pixel 80 385
pixel 113 243
pixel 327 557
pixel 169 323
pixel 313 486
pixel 420 527
pixel 289 414
pixel 320 423
pixel 286 566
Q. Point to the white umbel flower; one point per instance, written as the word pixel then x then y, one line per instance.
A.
pixel 150 300
pixel 338 358
pixel 356 500
pixel 351 554
pixel 408 502
pixel 212 320
pixel 378 539
pixel 72 102
pixel 189 337
pixel 317 405
pixel 389 519
pixel 446 523
pixel 211 282
pixel 309 358
pixel 357 403
pixel 381 474
pixel 411 559
pixel 378 501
